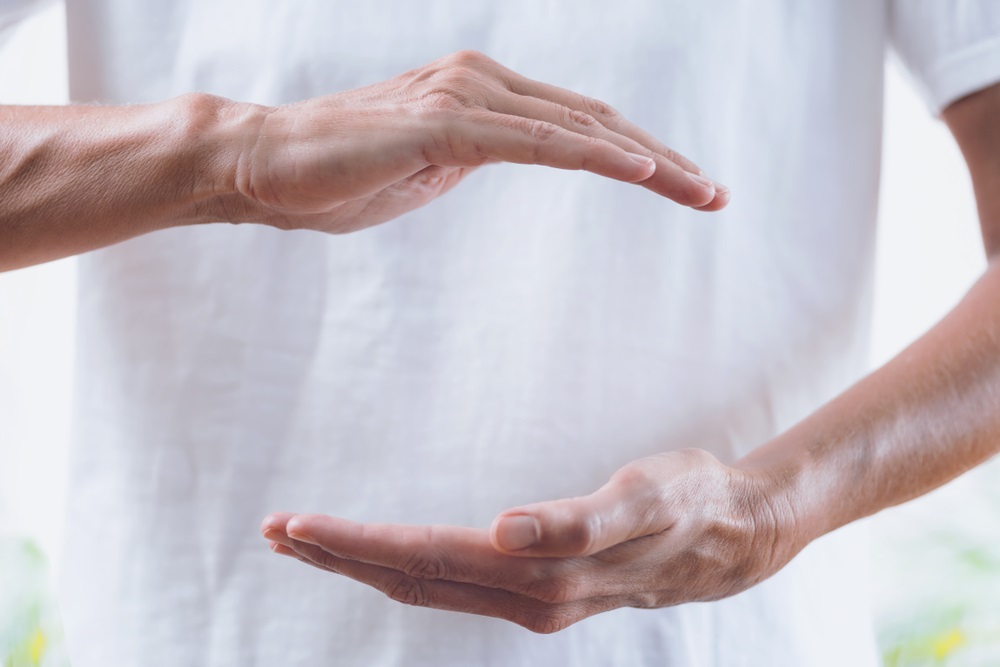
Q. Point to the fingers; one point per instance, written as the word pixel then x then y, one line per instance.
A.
pixel 458 569
pixel 535 614
pixel 670 179
pixel 465 555
pixel 720 201
pixel 486 135
pixel 425 552
pixel 484 111
pixel 531 613
pixel 274 527
pixel 521 140
pixel 609 118
pixel 570 118
pixel 618 512
pixel 603 113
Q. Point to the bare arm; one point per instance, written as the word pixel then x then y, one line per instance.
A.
pixel 931 413
pixel 77 178
pixel 681 526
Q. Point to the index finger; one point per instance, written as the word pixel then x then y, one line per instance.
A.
pixel 610 118
pixel 603 112
pixel 466 555
pixel 427 552
pixel 452 553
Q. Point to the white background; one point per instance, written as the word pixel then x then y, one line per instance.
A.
pixel 929 253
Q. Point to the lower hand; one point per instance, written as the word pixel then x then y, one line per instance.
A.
pixel 358 158
pixel 673 528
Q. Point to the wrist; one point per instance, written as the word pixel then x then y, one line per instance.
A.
pixel 217 133
pixel 772 487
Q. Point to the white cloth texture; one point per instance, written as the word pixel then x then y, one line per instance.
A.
pixel 13 12
pixel 951 48
pixel 517 340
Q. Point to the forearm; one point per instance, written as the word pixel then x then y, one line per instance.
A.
pixel 77 178
pixel 924 418
pixel 928 415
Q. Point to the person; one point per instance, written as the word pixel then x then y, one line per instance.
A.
pixel 502 352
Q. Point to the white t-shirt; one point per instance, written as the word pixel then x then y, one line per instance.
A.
pixel 517 340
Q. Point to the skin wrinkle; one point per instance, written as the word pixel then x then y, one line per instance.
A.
pixel 69 176
pixel 13 171
pixel 77 178
pixel 115 172
pixel 910 426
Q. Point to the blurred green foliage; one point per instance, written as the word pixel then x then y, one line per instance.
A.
pixel 937 576
pixel 30 631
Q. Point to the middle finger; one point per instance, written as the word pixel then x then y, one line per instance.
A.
pixel 669 179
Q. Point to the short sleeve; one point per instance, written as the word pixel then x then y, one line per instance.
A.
pixel 951 47
pixel 12 12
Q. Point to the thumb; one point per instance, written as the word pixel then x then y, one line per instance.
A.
pixel 580 526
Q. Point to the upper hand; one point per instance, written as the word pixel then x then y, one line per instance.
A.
pixel 668 529
pixel 358 158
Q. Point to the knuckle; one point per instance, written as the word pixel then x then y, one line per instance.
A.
pixel 443 99
pixel 306 550
pixel 702 457
pixel 637 479
pixel 423 566
pixel 554 591
pixel 541 131
pixel 653 600
pixel 327 561
pixel 409 591
pixel 460 76
pixel 582 119
pixel 467 58
pixel 547 622
pixel 599 109
pixel 453 84
pixel 674 156
pixel 452 92
pixel 581 534
pixel 645 490
pixel 677 158
pixel 432 180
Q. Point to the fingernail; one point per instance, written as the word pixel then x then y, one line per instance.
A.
pixel 517 532
pixel 641 159
pixel 294 531
pixel 701 180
